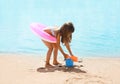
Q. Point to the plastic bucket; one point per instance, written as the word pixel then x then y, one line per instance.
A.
pixel 69 62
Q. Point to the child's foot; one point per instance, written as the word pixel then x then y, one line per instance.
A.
pixel 49 66
pixel 56 63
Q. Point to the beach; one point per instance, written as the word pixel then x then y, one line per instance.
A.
pixel 29 69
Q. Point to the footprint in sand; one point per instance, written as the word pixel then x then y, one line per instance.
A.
pixel 88 79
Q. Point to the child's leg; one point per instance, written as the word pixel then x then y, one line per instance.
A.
pixel 55 53
pixel 49 52
pixel 48 57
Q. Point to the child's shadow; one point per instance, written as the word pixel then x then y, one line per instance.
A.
pixel 75 69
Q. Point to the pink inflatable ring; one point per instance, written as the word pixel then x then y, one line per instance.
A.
pixel 38 29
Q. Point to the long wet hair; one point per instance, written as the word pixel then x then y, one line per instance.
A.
pixel 66 31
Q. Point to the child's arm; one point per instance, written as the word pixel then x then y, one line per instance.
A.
pixel 59 47
pixel 68 48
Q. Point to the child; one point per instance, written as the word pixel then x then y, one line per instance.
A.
pixel 64 35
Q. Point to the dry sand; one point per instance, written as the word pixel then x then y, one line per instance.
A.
pixel 27 69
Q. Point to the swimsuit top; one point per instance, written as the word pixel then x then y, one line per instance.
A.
pixel 52 30
pixel 53 33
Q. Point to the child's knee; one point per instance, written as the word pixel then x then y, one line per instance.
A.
pixel 55 49
pixel 55 46
pixel 50 48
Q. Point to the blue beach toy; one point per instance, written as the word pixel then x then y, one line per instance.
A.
pixel 69 62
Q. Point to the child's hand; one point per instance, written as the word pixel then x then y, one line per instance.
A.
pixel 74 58
pixel 66 56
